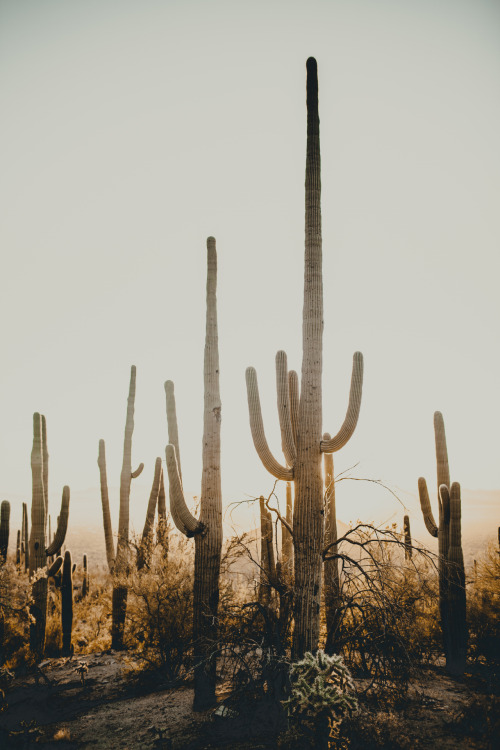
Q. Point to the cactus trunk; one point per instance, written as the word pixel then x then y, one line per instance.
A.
pixel 67 604
pixel 331 577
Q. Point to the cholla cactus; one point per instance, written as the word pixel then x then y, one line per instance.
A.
pixel 321 695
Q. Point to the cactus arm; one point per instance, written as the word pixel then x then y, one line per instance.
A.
pixel 173 432
pixel 4 529
pixel 293 389
pixel 55 567
pixel 425 504
pixel 283 393
pixel 443 469
pixel 106 515
pixel 257 429
pixel 37 537
pixel 352 415
pixel 137 472
pixel 150 517
pixel 62 525
pixel 181 515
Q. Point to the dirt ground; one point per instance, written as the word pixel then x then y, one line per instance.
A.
pixel 115 709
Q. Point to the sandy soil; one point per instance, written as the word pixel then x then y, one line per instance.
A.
pixel 114 709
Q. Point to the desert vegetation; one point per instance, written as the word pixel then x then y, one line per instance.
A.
pixel 295 636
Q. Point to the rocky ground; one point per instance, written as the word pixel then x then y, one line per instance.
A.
pixel 111 707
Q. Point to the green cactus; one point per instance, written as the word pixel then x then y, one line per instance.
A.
pixel 407 535
pixel 118 562
pixel 208 529
pixel 144 551
pixel 85 582
pixel 67 604
pixel 301 418
pixel 38 552
pixel 452 597
pixel 4 529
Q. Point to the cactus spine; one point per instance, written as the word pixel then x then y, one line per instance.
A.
pixel 208 529
pixel 67 604
pixel 38 552
pixel 452 598
pixel 4 529
pixel 302 431
pixel 118 563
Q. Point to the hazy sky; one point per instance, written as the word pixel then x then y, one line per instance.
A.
pixel 133 130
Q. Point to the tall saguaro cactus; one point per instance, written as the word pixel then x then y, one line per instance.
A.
pixel 118 562
pixel 301 428
pixel 452 597
pixel 38 551
pixel 208 529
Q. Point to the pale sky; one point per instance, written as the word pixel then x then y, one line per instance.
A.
pixel 131 131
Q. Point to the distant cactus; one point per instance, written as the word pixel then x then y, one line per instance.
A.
pixel 38 608
pixel 67 604
pixel 452 597
pixel 407 535
pixel 38 551
pixel 286 537
pixel 85 582
pixel 162 529
pixel 208 529
pixel 4 529
pixel 18 548
pixel 25 538
pixel 144 551
pixel 301 419
pixel 267 562
pixel 118 563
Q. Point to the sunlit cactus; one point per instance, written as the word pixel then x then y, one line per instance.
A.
pixel 301 417
pixel 144 551
pixel 25 538
pixel 67 604
pixel 4 529
pixel 207 530
pixel 267 561
pixel 117 562
pixel 38 551
pixel 452 597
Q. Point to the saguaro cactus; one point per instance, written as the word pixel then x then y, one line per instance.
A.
pixel 4 529
pixel 118 562
pixel 407 535
pixel 301 429
pixel 144 551
pixel 208 529
pixel 38 552
pixel 267 562
pixel 85 581
pixel 67 604
pixel 452 602
pixel 25 538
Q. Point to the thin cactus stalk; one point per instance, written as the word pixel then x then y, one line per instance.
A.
pixel 451 572
pixel 118 562
pixel 162 529
pixel 301 417
pixel 331 576
pixel 67 604
pixel 4 529
pixel 85 581
pixel 38 607
pixel 144 551
pixel 286 537
pixel 38 505
pixel 18 548
pixel 407 536
pixel 208 529
pixel 25 537
pixel 267 562
pixel 62 526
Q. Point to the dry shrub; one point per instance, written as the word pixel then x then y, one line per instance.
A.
pixel 483 611
pixel 15 597
pixel 92 615
pixel 380 730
